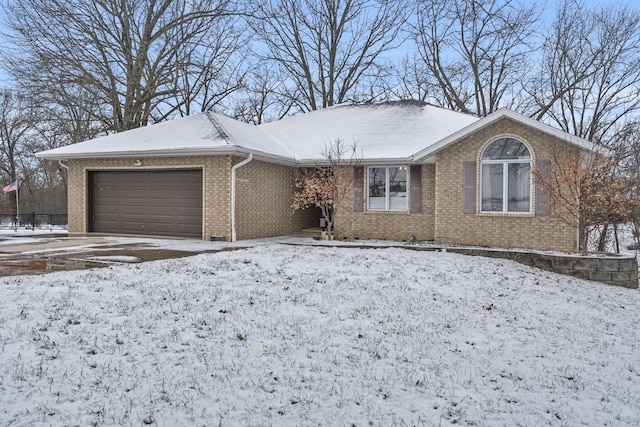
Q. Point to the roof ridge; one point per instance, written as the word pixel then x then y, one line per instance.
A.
pixel 224 134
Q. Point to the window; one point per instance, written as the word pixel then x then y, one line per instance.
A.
pixel 387 188
pixel 506 177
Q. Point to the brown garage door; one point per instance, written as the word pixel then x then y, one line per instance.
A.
pixel 163 203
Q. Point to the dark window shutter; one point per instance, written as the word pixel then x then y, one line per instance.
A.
pixel 358 189
pixel 542 196
pixel 415 192
pixel 469 192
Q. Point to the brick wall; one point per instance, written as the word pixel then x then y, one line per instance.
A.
pixel 498 230
pixel 442 217
pixel 264 198
pixel 391 225
pixel 263 194
pixel 216 176
pixel 263 202
pixel 77 197
pixel 305 218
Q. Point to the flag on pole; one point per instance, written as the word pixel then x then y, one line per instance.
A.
pixel 11 187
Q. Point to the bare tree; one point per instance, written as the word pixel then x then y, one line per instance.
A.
pixel 128 54
pixel 26 127
pixel 410 79
pixel 589 85
pixel 476 51
pixel 589 81
pixel 61 124
pixel 586 190
pixel 264 96
pixel 329 50
pixel 41 187
pixel 329 185
pixel 217 68
pixel 15 125
pixel 626 145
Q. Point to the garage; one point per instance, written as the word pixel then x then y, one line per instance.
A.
pixel 162 203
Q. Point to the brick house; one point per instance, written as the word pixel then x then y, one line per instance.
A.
pixel 426 172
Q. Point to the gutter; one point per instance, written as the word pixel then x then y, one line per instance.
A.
pixel 219 151
pixel 63 165
pixel 391 161
pixel 234 168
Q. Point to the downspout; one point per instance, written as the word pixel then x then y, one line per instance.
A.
pixel 67 169
pixel 233 194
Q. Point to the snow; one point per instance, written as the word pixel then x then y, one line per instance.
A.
pixel 394 130
pixel 29 232
pixel 114 258
pixel 251 137
pixel 197 134
pixel 191 132
pixel 391 132
pixel 314 335
pixel 10 237
pixel 383 131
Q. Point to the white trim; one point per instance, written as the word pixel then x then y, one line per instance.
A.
pixel 386 186
pixel 383 161
pixel 234 168
pixel 219 151
pixel 505 179
pixel 491 118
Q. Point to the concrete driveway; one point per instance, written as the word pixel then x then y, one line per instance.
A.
pixel 42 254
pixel 31 253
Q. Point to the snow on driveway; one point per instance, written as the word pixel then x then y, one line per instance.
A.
pixel 284 335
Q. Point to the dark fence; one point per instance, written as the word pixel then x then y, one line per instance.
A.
pixel 34 221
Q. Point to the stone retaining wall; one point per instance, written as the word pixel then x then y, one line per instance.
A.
pixel 619 270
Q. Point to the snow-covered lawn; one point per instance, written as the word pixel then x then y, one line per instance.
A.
pixel 284 335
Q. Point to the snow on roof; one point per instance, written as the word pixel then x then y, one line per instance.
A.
pixel 204 133
pixel 500 114
pixel 405 131
pixel 384 131
pixel 192 132
pixel 250 137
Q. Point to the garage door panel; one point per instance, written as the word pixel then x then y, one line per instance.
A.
pixel 148 202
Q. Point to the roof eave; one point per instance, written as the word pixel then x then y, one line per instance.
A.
pixel 422 155
pixel 222 151
pixel 382 161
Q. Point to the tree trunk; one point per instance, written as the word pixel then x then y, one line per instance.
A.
pixel 602 242
pixel 583 237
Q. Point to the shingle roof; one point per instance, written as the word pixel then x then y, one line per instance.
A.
pixel 405 131
pixel 204 133
pixel 385 131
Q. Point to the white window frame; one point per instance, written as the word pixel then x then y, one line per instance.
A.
pixel 505 180
pixel 387 188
